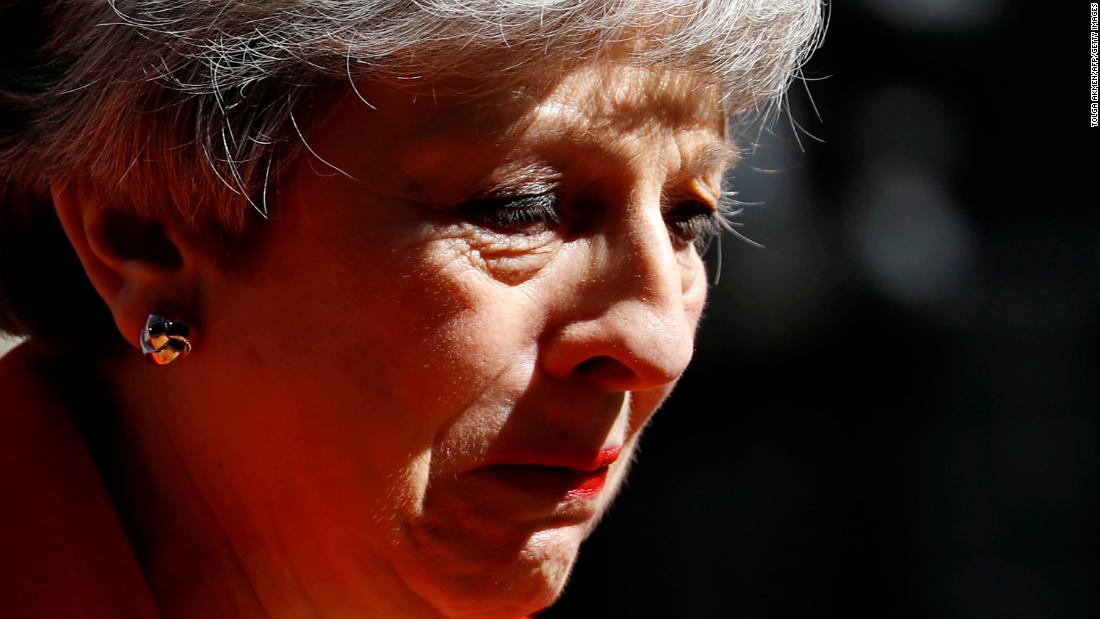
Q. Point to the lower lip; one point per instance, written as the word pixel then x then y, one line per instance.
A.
pixel 547 480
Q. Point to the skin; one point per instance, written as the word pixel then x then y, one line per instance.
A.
pixel 321 452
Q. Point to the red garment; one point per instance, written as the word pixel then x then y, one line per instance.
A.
pixel 63 552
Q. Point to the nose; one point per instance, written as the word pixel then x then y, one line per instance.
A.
pixel 627 322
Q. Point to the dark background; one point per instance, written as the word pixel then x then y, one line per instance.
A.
pixel 894 408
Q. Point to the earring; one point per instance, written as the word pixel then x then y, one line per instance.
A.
pixel 163 341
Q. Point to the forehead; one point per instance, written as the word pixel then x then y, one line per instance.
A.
pixel 421 127
pixel 626 97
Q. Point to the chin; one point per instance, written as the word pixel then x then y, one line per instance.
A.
pixel 503 582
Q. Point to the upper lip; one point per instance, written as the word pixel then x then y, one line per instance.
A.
pixel 578 460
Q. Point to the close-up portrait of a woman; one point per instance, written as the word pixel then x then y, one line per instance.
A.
pixel 350 308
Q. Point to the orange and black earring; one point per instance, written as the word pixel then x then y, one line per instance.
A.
pixel 163 340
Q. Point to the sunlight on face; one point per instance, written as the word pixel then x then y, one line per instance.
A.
pixel 476 322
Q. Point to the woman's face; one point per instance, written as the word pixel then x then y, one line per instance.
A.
pixel 451 347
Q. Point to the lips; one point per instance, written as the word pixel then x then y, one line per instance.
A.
pixel 554 475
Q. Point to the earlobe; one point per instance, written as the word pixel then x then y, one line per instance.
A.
pixel 134 263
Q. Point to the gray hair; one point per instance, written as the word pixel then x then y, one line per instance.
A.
pixel 199 97
pixel 186 110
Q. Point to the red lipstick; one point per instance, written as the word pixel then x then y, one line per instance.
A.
pixel 554 476
pixel 590 484
pixel 597 475
pixel 606 456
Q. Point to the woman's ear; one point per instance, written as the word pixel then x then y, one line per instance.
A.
pixel 136 265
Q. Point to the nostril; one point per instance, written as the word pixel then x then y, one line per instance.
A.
pixel 589 365
pixel 605 368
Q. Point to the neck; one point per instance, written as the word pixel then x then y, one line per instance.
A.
pixel 214 536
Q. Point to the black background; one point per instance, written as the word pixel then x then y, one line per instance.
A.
pixel 893 410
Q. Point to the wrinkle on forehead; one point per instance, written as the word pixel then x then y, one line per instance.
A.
pixel 600 103
pixel 622 97
pixel 597 107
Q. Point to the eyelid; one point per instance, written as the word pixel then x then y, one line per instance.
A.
pixel 670 199
pixel 518 181
pixel 704 193
pixel 511 191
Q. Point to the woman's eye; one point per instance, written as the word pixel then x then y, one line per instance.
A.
pixel 515 215
pixel 692 223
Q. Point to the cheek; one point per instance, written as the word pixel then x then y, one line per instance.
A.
pixel 463 344
pixel 694 286
pixel 477 319
pixel 375 344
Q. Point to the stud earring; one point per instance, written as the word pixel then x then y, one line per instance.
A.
pixel 163 340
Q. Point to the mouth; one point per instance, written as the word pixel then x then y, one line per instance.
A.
pixel 548 480
pixel 576 480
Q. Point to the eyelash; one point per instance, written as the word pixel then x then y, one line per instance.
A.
pixel 693 222
pixel 690 222
pixel 522 214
